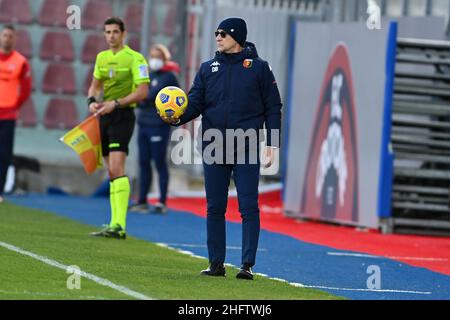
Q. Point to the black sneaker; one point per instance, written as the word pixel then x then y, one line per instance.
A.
pixel 159 208
pixel 245 273
pixel 214 270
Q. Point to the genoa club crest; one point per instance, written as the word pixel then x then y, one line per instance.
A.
pixel 330 190
pixel 248 63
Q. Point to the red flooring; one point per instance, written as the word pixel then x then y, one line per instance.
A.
pixel 432 253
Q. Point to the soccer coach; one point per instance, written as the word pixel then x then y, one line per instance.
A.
pixel 122 74
pixel 234 90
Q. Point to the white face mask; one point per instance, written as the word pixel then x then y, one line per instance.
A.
pixel 155 64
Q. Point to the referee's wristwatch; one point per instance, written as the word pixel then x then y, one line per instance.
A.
pixel 116 104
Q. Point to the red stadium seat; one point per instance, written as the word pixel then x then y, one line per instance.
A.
pixel 53 13
pixel 23 43
pixel 133 17
pixel 61 114
pixel 95 13
pixel 59 78
pixel 93 44
pixel 15 11
pixel 57 46
pixel 135 43
pixel 27 115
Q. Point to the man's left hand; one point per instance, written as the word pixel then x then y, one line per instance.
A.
pixel 106 107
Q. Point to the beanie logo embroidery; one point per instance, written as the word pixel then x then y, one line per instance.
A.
pixel 248 63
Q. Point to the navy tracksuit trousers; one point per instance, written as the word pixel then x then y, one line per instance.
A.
pixel 7 128
pixel 153 142
pixel 217 181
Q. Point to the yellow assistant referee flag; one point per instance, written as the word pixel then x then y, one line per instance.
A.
pixel 85 140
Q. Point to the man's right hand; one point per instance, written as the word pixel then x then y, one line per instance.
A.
pixel 94 107
pixel 171 120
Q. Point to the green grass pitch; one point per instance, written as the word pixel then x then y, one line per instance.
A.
pixel 138 265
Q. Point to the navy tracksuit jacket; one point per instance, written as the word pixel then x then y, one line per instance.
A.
pixel 234 91
pixel 153 137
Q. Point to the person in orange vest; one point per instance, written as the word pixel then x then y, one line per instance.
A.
pixel 15 88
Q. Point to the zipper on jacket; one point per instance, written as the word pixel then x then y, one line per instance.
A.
pixel 227 89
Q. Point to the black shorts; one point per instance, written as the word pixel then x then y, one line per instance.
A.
pixel 116 130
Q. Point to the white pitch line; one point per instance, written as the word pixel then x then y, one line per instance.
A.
pixel 300 285
pixel 362 290
pixel 361 255
pixel 47 294
pixel 190 245
pixel 53 263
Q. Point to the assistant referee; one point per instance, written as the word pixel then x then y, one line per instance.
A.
pixel 122 75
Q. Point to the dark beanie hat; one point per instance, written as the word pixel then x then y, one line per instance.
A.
pixel 236 28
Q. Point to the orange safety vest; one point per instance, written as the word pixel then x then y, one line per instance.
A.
pixel 10 72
